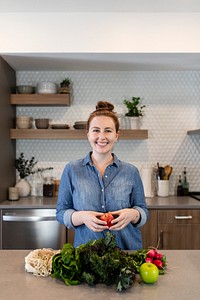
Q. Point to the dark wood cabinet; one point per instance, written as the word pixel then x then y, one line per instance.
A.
pixel 179 229
pixel 7 121
pixel 150 230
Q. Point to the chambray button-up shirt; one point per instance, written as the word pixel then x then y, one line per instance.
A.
pixel 83 188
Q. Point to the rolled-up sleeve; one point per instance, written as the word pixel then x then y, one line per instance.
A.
pixel 143 216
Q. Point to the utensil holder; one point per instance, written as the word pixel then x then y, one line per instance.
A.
pixel 163 188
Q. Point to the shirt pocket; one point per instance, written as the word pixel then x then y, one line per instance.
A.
pixel 120 195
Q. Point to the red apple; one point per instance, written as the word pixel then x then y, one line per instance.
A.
pixel 149 272
pixel 108 217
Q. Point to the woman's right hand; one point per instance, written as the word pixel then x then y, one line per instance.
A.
pixel 90 219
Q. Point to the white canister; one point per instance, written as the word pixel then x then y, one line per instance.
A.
pixel 147 180
pixel 163 188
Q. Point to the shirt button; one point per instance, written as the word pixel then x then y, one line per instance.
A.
pixel 102 190
pixel 102 206
pixel 106 176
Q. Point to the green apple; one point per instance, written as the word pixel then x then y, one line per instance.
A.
pixel 149 272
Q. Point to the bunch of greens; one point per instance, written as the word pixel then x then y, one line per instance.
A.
pixel 24 166
pixel 100 261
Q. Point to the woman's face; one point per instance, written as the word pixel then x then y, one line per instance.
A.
pixel 102 134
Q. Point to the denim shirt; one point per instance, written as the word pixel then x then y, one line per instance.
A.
pixel 83 189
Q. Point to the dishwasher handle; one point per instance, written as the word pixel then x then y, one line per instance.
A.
pixel 23 218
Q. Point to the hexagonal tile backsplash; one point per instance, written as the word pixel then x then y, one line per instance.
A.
pixel 172 100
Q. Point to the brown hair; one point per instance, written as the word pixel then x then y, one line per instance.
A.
pixel 104 108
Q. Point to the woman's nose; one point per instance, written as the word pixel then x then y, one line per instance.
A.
pixel 102 134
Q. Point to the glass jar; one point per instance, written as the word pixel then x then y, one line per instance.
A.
pixel 48 187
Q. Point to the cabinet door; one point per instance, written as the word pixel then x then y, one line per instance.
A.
pixel 179 229
pixel 149 230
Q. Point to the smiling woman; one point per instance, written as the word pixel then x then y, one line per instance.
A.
pixel 101 183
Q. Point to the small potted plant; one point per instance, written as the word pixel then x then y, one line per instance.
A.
pixel 65 86
pixel 24 168
pixel 135 111
pixel 65 82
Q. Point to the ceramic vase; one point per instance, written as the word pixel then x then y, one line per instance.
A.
pixel 134 122
pixel 24 187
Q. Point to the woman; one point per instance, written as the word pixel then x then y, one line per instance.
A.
pixel 100 183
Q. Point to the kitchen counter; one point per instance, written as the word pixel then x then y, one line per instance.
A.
pixel 171 202
pixel 180 282
pixel 30 202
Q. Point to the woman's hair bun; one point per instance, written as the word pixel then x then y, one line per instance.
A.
pixel 104 105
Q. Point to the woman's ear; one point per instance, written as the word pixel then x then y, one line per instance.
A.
pixel 117 136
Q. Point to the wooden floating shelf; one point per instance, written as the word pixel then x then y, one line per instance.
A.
pixel 70 134
pixel 192 132
pixel 40 99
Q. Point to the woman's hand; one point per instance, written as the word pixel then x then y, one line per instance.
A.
pixel 90 219
pixel 123 217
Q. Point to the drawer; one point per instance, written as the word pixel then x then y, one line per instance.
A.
pixel 180 216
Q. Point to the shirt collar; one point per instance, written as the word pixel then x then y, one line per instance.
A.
pixel 87 160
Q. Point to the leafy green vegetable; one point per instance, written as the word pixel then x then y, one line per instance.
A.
pixel 99 261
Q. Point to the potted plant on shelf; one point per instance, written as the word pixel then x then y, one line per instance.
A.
pixel 24 168
pixel 135 111
pixel 65 86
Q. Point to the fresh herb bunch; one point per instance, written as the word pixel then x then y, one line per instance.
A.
pixel 134 110
pixel 24 166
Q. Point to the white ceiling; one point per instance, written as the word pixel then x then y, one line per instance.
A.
pixel 101 61
pixel 100 5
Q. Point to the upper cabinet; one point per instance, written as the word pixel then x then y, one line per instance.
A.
pixel 58 134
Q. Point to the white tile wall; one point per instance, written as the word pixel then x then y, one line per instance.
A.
pixel 172 100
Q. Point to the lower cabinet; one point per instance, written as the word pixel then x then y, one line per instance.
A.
pixel 169 230
pixel 150 230
pixel 179 229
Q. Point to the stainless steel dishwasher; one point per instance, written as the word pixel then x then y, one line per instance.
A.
pixel 32 229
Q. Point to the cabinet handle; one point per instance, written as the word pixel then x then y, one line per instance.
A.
pixel 183 217
pixel 160 240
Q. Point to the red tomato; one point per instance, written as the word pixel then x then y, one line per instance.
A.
pixel 108 217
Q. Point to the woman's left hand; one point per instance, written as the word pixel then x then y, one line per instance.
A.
pixel 123 217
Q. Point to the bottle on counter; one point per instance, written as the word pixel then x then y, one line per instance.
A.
pixel 185 183
pixel 48 187
pixel 180 191
pixel 39 184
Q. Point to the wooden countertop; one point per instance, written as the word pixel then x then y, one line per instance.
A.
pixel 180 282
pixel 171 202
